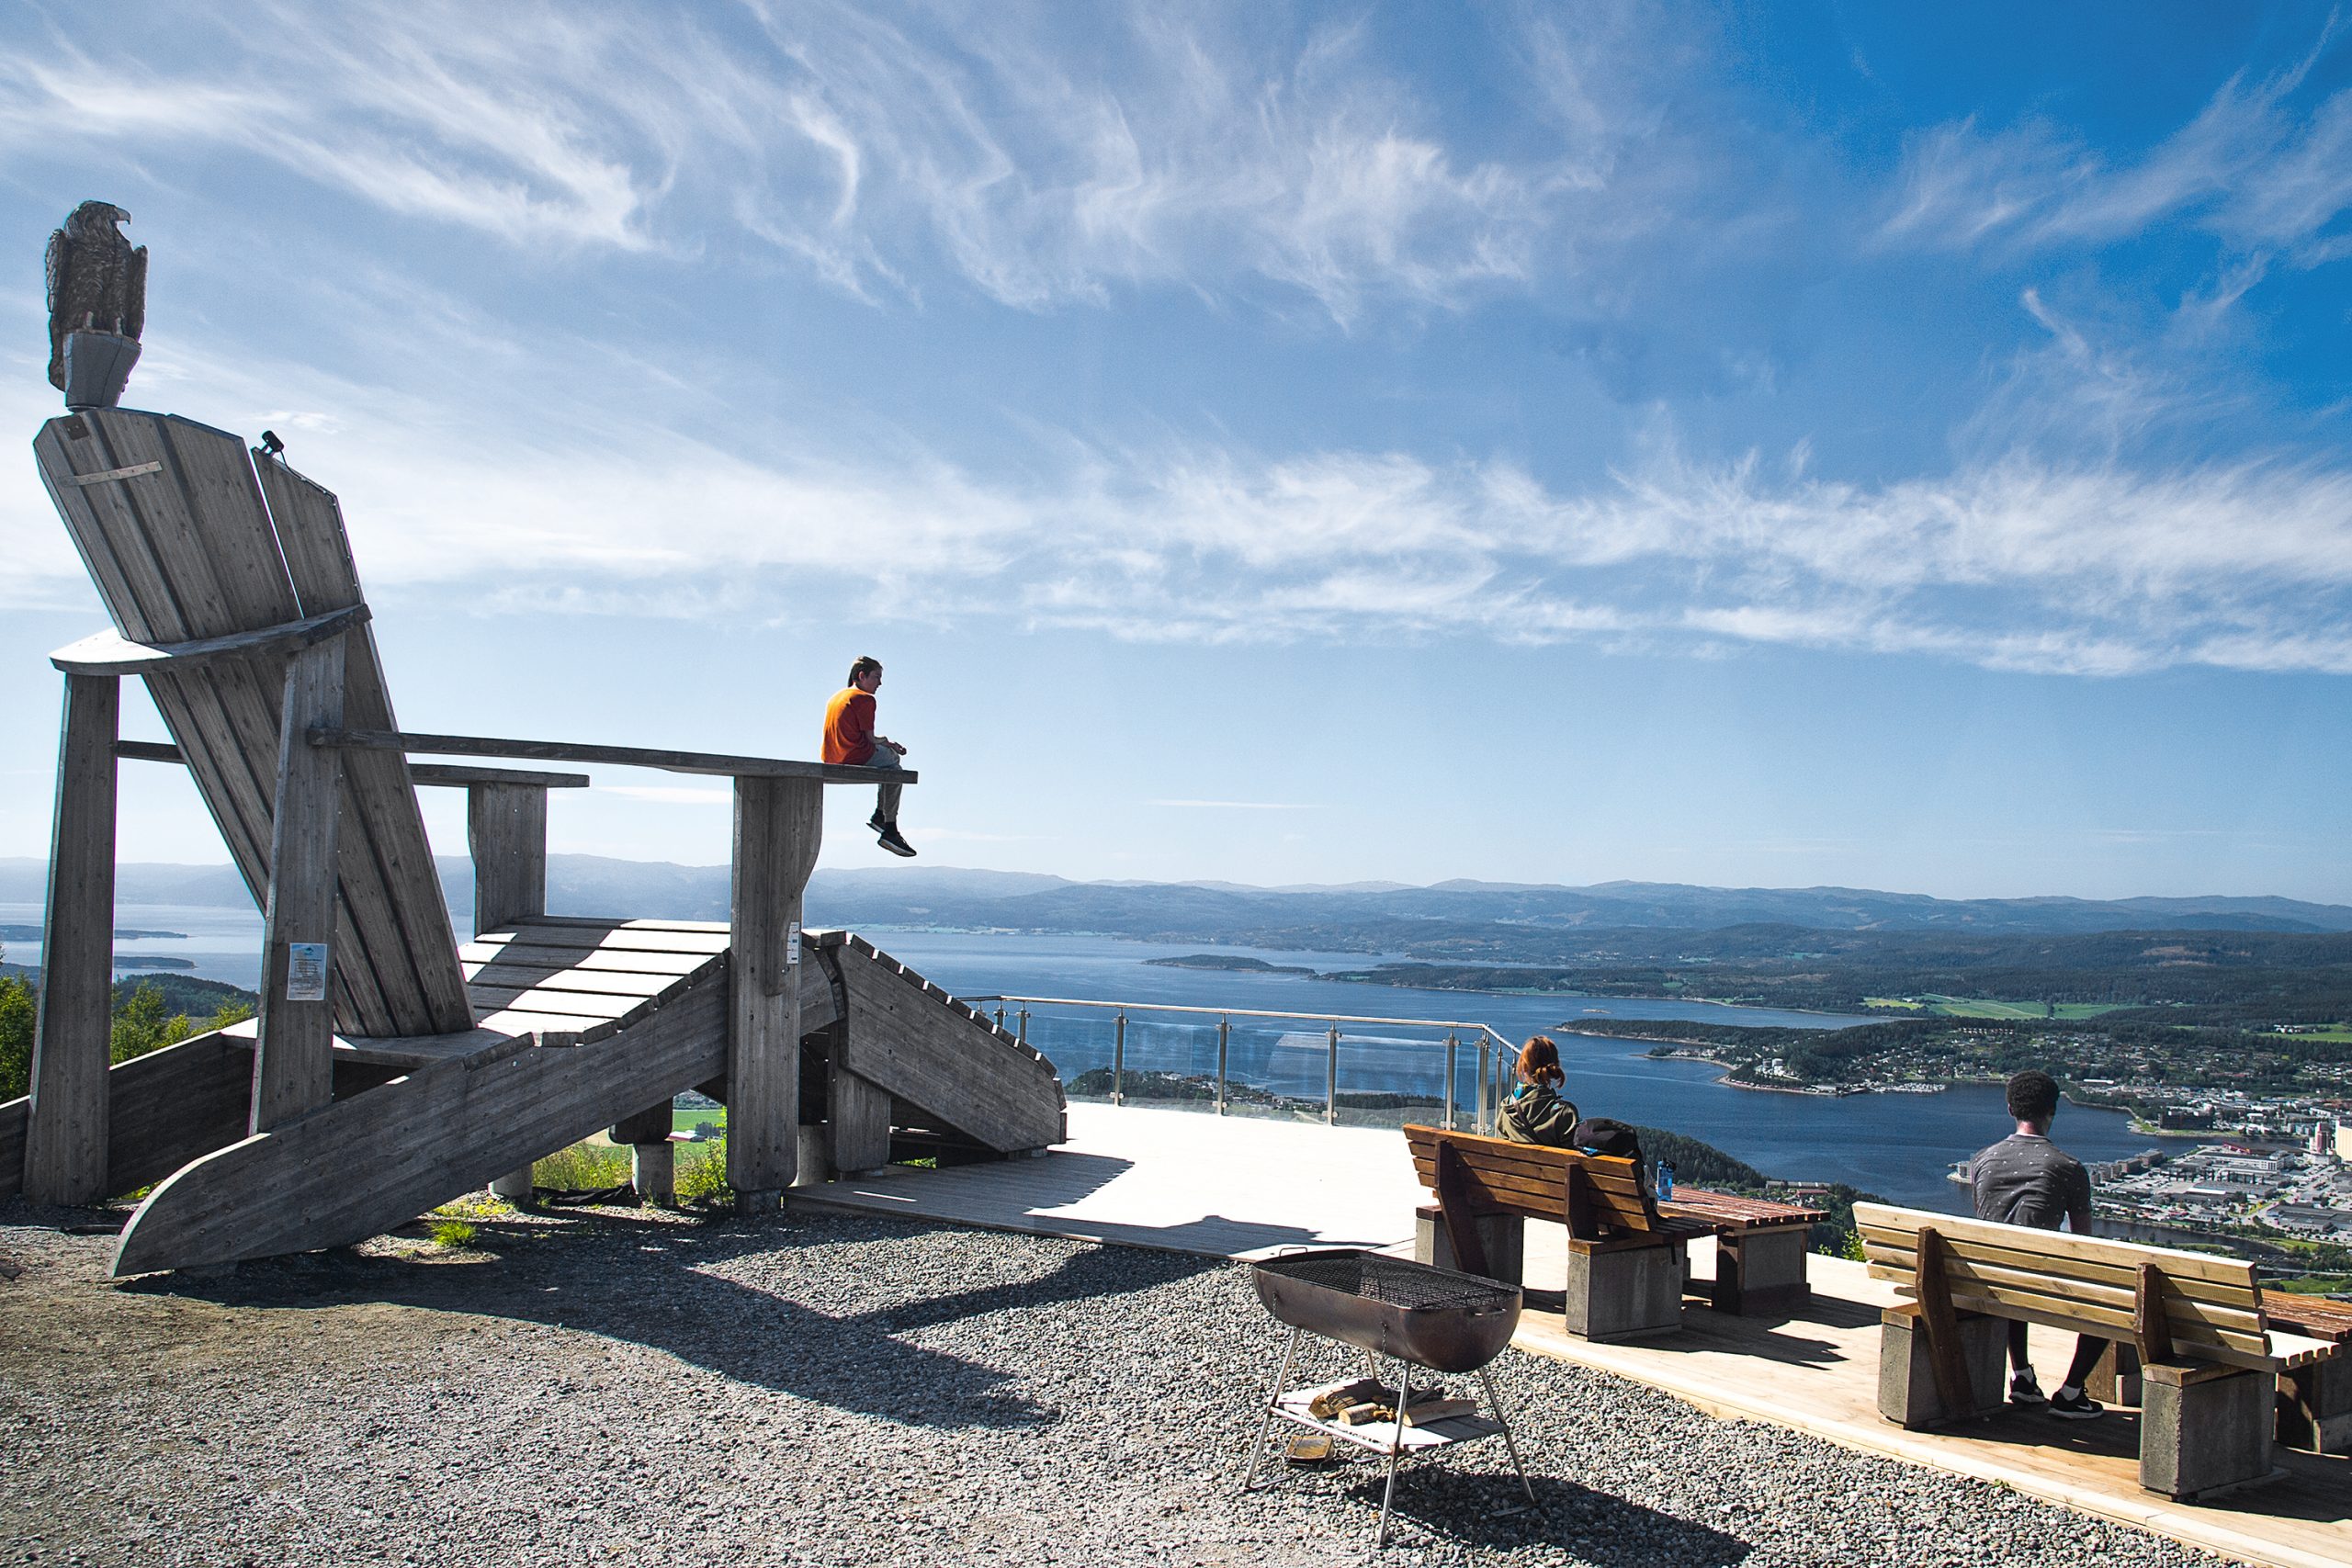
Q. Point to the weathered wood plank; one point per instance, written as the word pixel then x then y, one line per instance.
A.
pixel 613 961
pixel 506 831
pixel 111 653
pixel 861 1122
pixel 380 1158
pixel 1888 1221
pixel 518 978
pixel 66 1131
pixel 294 1068
pixel 387 869
pixel 779 825
pixel 602 937
pixel 450 774
pixel 939 1061
pixel 607 1007
pixel 608 922
pixel 358 739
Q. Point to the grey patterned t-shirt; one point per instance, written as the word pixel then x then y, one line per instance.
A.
pixel 2027 1180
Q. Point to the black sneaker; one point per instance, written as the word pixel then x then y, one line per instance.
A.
pixel 2026 1388
pixel 2075 1406
pixel 892 842
pixel 875 824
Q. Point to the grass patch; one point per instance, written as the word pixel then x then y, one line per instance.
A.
pixel 702 1174
pixel 583 1167
pixel 1905 1003
pixel 1991 1008
pixel 456 1236
pixel 2312 1284
pixel 687 1121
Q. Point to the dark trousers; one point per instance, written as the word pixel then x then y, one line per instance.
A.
pixel 2088 1351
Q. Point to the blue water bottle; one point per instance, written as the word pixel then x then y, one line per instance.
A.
pixel 1665 1182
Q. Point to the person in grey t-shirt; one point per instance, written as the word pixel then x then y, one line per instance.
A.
pixel 2026 1180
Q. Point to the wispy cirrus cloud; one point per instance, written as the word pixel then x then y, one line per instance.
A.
pixel 2264 165
pixel 868 144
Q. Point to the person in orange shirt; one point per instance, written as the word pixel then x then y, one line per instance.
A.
pixel 850 738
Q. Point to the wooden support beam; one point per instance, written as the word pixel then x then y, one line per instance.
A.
pixel 1580 1216
pixel 1459 1212
pixel 651 1125
pixel 446 774
pixel 294 1062
pixel 111 653
pixel 618 756
pixel 1946 1357
pixel 2151 1329
pixel 506 828
pixel 66 1135
pixel 779 823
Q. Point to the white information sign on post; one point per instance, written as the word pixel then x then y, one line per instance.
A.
pixel 792 943
pixel 305 971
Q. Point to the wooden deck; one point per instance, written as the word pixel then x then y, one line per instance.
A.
pixel 1243 1187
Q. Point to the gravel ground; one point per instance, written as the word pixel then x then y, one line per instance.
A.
pixel 628 1387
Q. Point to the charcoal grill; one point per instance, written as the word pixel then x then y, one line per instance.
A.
pixel 1412 1314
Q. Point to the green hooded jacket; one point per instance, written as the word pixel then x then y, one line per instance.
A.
pixel 1537 1114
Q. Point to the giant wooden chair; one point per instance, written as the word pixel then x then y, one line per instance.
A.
pixel 389 1069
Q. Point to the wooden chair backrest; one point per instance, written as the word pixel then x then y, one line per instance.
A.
pixel 2170 1303
pixel 1594 1195
pixel 171 519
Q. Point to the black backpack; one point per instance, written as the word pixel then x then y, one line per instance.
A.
pixel 1604 1135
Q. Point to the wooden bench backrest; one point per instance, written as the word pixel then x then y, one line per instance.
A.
pixel 1594 1195
pixel 2168 1302
pixel 170 518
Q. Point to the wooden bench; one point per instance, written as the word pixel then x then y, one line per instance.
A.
pixel 2209 1361
pixel 1626 1260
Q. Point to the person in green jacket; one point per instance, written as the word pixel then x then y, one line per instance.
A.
pixel 1535 1112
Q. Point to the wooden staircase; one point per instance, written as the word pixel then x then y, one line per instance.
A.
pixel 585 1023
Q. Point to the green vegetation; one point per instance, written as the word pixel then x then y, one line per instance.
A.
pixel 455 1234
pixel 1906 1003
pixel 148 1016
pixel 702 1175
pixel 19 1006
pixel 583 1167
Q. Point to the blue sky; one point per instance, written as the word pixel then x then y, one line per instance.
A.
pixel 1885 446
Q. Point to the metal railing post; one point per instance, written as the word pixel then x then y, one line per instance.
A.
pixel 1453 1046
pixel 1118 1057
pixel 1224 1039
pixel 1486 1052
pixel 1331 1079
pixel 1023 1035
pixel 999 1018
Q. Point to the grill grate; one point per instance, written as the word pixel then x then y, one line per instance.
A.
pixel 1392 1281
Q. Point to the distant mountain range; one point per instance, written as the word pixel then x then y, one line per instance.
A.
pixel 1360 916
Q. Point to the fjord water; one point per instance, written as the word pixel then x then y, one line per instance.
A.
pixel 1896 1145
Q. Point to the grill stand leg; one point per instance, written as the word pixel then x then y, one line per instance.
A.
pixel 1395 1447
pixel 1510 1443
pixel 1274 1398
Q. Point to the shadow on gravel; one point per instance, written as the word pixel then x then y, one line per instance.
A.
pixel 644 1281
pixel 1594 1526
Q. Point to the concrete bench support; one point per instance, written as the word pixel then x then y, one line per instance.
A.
pixel 2204 1429
pixel 1907 1395
pixel 1504 1236
pixel 1625 1292
pixel 1760 1273
pixel 2315 1406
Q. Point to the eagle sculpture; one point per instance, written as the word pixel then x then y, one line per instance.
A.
pixel 97 281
